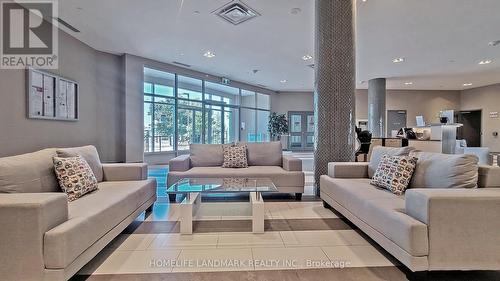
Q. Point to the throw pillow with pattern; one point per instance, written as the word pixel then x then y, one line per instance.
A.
pixel 235 156
pixel 75 176
pixel 394 173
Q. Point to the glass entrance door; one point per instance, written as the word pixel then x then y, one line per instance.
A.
pixel 301 125
pixel 221 123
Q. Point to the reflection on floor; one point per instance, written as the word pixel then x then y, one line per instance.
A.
pixel 302 241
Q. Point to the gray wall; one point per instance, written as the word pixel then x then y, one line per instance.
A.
pixel 292 101
pixel 488 100
pixel 100 111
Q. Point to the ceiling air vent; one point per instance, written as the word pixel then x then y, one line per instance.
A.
pixel 181 64
pixel 67 25
pixel 236 12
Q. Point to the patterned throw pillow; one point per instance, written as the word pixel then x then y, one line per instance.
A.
pixel 394 173
pixel 75 176
pixel 235 156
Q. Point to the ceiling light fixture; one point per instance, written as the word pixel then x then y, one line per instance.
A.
pixel 398 60
pixel 485 62
pixel 467 84
pixel 295 11
pixel 283 81
pixel 408 83
pixel 209 54
pixel 494 43
pixel 307 57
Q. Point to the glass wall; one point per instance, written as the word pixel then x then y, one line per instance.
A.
pixel 181 110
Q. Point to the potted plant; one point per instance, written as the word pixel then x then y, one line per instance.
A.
pixel 277 126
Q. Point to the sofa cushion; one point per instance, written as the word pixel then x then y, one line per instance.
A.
pixel 379 151
pixel 394 173
pixel 436 170
pixel 206 155
pixel 235 156
pixel 89 153
pixel 75 176
pixel 91 217
pixel 382 210
pixel 29 173
pixel 279 176
pixel 265 153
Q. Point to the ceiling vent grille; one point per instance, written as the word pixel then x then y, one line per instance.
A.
pixel 236 12
pixel 181 64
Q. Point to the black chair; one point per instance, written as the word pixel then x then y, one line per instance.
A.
pixel 365 140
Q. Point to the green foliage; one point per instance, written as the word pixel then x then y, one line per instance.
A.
pixel 277 126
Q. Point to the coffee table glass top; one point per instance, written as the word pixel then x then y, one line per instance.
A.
pixel 222 185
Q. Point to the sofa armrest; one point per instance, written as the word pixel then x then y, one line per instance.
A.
pixel 348 170
pixel 180 163
pixel 489 176
pixel 291 163
pixel 463 226
pixel 25 217
pixel 125 171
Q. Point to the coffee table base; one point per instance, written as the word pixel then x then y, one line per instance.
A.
pixel 191 204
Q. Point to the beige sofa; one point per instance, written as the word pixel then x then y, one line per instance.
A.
pixel 265 160
pixel 443 222
pixel 43 237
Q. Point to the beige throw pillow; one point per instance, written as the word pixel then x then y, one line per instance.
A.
pixel 75 176
pixel 394 173
pixel 235 156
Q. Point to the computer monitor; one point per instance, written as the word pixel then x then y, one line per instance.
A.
pixel 420 121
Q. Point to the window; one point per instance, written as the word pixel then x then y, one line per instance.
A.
pixel 181 110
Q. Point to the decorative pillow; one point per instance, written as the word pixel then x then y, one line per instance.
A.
pixel 75 176
pixel 235 156
pixel 394 173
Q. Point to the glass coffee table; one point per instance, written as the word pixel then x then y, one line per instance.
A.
pixel 194 187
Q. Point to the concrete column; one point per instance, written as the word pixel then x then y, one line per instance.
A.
pixel 376 107
pixel 334 86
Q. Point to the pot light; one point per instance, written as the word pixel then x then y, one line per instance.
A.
pixel 494 43
pixel 485 62
pixel 307 57
pixel 209 54
pixel 467 84
pixel 283 81
pixel 408 83
pixel 398 60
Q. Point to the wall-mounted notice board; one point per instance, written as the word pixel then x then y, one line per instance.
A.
pixel 51 97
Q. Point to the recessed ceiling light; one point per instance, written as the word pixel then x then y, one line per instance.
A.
pixel 494 43
pixel 307 57
pixel 364 0
pixel 398 60
pixel 283 81
pixel 295 11
pixel 196 12
pixel 408 83
pixel 485 62
pixel 467 84
pixel 209 54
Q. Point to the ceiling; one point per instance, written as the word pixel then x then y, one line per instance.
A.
pixel 441 41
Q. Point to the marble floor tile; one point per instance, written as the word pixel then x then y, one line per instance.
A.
pixel 357 256
pixel 129 262
pixel 289 258
pixel 322 238
pixel 177 240
pixel 248 240
pixel 131 242
pixel 214 260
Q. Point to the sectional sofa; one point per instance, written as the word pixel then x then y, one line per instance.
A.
pixel 449 219
pixel 265 160
pixel 45 237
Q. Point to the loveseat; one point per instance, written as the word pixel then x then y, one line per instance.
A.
pixel 265 160
pixel 448 219
pixel 45 237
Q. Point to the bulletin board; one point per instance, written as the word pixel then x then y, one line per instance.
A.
pixel 51 97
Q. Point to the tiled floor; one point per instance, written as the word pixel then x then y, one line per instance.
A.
pixel 303 241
